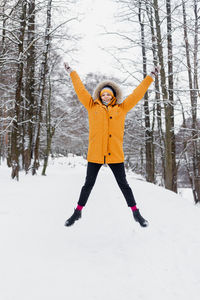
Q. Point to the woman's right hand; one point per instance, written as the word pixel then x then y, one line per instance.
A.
pixel 155 71
pixel 67 67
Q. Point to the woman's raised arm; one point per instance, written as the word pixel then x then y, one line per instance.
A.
pixel 140 90
pixel 83 95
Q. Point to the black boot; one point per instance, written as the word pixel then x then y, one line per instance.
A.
pixel 76 216
pixel 138 218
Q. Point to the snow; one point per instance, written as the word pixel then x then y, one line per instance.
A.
pixel 106 254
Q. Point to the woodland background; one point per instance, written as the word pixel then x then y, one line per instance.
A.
pixel 40 114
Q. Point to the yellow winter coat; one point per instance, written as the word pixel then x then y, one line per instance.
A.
pixel 106 123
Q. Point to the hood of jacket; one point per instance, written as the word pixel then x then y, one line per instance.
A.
pixel 115 87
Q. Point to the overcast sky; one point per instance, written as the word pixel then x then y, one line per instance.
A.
pixel 97 13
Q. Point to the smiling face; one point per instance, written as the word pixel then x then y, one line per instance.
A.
pixel 106 97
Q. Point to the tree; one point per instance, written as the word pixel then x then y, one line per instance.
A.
pixel 194 171
pixel 30 83
pixel 41 90
pixel 15 135
pixel 25 64
pixel 149 144
pixel 170 162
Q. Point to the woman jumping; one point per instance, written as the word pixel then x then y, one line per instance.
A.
pixel 107 114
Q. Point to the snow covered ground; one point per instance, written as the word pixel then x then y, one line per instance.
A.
pixel 105 255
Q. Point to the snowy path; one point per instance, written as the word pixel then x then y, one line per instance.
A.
pixel 106 255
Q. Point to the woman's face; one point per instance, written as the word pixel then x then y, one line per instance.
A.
pixel 106 97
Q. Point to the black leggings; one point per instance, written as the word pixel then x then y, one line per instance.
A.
pixel 120 176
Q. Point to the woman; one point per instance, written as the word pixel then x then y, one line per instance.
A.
pixel 107 113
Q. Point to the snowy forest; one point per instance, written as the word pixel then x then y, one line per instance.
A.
pixel 40 114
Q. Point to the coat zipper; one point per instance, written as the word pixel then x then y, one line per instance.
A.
pixel 106 108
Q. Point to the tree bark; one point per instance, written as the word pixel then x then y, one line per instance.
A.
pixel 170 107
pixel 44 71
pixel 149 144
pixel 3 111
pixel 161 137
pixel 170 164
pixel 30 87
pixel 15 136
pixel 50 132
pixel 193 87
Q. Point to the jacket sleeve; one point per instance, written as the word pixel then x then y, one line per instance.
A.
pixel 137 94
pixel 83 95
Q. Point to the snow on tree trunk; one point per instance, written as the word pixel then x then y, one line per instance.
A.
pixel 170 107
pixel 170 163
pixel 16 127
pixel 29 114
pixel 149 145
pixel 50 130
pixel 194 172
pixel 161 137
pixel 43 74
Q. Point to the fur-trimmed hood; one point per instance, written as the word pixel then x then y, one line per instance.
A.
pixel 114 86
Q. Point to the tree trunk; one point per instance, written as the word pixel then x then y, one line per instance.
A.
pixel 193 86
pixel 196 164
pixel 161 137
pixel 15 136
pixel 170 164
pixel 170 107
pixel 149 145
pixel 44 70
pixel 50 132
pixel 3 112
pixel 30 87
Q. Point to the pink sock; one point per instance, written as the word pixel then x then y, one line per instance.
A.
pixel 79 207
pixel 134 208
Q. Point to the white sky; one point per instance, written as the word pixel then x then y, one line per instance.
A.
pixel 97 13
